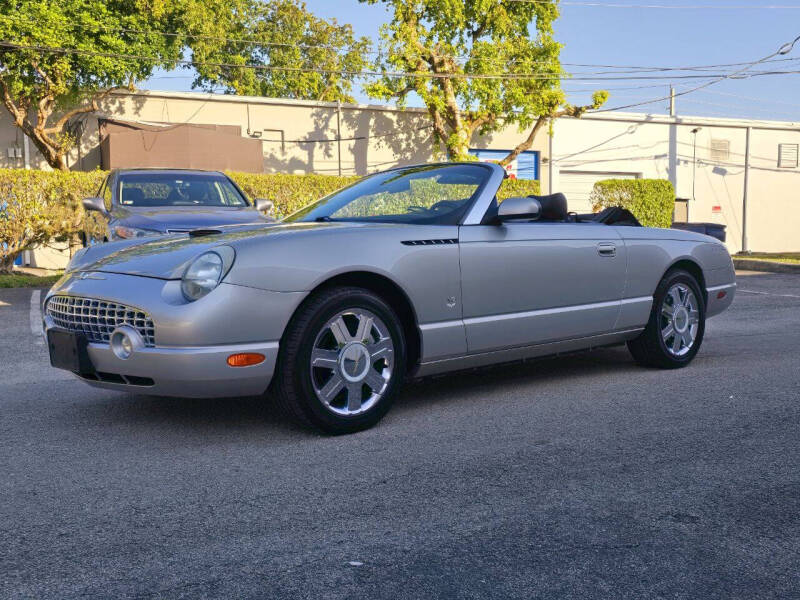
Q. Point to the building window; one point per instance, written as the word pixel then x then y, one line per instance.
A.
pixel 787 156
pixel 720 150
pixel 526 166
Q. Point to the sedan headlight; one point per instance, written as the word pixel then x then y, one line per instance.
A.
pixel 202 275
pixel 126 233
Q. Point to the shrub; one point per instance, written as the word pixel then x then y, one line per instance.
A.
pixel 289 192
pixel 40 207
pixel 518 187
pixel 650 200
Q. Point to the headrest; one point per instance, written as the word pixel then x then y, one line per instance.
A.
pixel 132 195
pixel 554 207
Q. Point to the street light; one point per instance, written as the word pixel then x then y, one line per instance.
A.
pixel 694 169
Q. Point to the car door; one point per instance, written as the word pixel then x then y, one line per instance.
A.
pixel 527 283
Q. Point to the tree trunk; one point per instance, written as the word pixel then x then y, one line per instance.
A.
pixel 7 262
pixel 525 145
pixel 457 144
pixel 55 157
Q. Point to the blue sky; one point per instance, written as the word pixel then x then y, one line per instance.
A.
pixel 645 37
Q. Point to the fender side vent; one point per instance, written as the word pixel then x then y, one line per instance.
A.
pixel 429 242
pixel 202 232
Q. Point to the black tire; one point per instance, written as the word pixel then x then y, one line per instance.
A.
pixel 293 384
pixel 650 348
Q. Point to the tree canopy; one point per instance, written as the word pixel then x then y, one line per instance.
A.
pixel 295 54
pixel 59 59
pixel 478 65
pixel 44 89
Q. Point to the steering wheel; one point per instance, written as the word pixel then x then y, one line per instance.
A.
pixel 445 204
pixel 414 209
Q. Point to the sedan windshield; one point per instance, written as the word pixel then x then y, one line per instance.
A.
pixel 178 189
pixel 430 194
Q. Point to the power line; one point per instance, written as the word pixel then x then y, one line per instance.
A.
pixel 783 50
pixel 420 75
pixel 670 6
pixel 768 100
pixel 633 68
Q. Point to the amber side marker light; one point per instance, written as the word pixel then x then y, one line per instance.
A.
pixel 245 359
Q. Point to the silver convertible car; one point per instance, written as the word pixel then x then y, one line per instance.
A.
pixel 412 271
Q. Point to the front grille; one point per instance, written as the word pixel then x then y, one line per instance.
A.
pixel 97 319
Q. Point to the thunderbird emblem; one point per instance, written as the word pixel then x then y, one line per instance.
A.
pixel 89 275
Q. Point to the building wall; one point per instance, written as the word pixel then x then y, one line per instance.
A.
pixel 297 136
pixel 300 137
pixel 660 147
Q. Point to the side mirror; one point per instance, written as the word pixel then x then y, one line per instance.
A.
pixel 512 209
pixel 263 205
pixel 95 204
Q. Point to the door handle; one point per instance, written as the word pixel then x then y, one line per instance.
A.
pixel 606 249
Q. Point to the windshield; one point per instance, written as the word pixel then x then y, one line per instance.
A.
pixel 431 194
pixel 178 189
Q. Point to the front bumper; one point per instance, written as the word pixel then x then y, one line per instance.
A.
pixel 719 298
pixel 198 372
pixel 192 340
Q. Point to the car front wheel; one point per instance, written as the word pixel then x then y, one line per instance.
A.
pixel 677 324
pixel 342 361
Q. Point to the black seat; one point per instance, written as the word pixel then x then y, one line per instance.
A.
pixel 554 207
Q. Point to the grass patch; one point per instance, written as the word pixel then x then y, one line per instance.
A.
pixel 792 258
pixel 23 280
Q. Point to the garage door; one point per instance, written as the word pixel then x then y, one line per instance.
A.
pixel 577 186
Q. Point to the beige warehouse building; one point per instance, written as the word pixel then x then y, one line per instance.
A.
pixel 719 166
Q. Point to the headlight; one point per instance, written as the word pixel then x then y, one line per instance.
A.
pixel 127 233
pixel 202 276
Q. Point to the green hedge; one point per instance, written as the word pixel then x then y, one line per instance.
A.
pixel 38 207
pixel 652 201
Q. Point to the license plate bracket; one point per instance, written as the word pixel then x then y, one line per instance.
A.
pixel 68 350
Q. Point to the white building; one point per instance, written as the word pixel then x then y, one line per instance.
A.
pixel 717 165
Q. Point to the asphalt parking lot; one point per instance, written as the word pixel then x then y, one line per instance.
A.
pixel 582 476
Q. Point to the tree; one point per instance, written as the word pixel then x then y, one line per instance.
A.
pixel 44 89
pixel 478 66
pixel 295 54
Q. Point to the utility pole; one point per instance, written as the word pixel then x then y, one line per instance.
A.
pixel 745 249
pixel 671 101
pixel 695 131
pixel 339 133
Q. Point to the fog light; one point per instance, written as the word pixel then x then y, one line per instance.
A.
pixel 124 341
pixel 245 359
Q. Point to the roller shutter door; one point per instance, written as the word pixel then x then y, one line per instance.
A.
pixel 577 186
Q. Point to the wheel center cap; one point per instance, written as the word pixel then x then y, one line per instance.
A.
pixel 354 362
pixel 681 319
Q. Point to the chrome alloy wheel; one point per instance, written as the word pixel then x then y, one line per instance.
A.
pixel 352 362
pixel 680 319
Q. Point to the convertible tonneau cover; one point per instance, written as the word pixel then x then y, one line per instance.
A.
pixel 613 215
pixel 554 208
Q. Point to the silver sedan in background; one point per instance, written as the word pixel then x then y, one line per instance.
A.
pixel 413 271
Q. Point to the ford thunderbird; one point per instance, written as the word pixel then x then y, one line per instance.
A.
pixel 409 272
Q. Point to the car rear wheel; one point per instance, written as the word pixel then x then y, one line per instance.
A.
pixel 342 361
pixel 676 327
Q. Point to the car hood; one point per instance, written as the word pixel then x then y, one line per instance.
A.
pixel 166 257
pixel 185 218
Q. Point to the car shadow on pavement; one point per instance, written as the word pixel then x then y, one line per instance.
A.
pixel 568 368
pixel 262 416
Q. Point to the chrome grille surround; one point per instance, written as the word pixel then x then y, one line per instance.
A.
pixel 97 319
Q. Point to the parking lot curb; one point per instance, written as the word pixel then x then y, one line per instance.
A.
pixel 751 264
